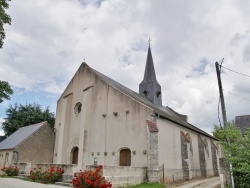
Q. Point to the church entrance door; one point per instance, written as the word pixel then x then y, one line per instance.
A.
pixel 75 155
pixel 125 157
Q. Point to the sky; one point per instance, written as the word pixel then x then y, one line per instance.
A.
pixel 48 40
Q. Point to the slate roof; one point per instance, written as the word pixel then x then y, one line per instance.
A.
pixel 19 136
pixel 149 74
pixel 164 112
pixel 243 123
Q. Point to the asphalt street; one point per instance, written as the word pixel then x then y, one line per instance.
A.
pixel 17 183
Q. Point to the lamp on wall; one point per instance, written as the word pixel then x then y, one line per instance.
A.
pixel 95 161
pixel 115 113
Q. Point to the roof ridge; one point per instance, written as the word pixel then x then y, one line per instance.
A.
pixel 33 125
pixel 172 116
pixel 242 115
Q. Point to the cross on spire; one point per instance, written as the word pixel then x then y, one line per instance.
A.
pixel 149 40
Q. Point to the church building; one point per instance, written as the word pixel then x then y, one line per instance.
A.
pixel 135 137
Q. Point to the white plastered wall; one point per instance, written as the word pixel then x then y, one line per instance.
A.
pixel 96 131
pixel 170 151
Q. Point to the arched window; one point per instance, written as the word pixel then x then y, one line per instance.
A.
pixel 75 155
pixel 158 93
pixel 125 157
pixel 145 93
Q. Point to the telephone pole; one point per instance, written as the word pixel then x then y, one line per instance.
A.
pixel 224 115
pixel 223 108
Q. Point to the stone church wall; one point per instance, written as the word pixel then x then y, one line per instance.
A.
pixel 109 122
pixel 183 153
pixel 106 112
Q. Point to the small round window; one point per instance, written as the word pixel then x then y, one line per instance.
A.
pixel 78 108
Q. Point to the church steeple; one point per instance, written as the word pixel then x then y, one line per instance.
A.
pixel 149 87
pixel 149 74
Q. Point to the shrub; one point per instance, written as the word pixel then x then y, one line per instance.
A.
pixel 10 171
pixel 90 179
pixel 51 175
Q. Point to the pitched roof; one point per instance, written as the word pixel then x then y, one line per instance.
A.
pixel 20 135
pixel 149 74
pixel 243 123
pixel 164 112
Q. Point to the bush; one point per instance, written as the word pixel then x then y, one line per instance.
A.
pixel 90 179
pixel 51 175
pixel 10 171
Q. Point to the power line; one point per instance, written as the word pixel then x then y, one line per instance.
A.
pixel 237 96
pixel 235 71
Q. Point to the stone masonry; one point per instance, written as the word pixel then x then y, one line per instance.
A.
pixel 153 162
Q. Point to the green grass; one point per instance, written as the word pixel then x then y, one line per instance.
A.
pixel 4 176
pixel 148 185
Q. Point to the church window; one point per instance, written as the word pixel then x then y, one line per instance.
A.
pixel 158 93
pixel 75 155
pixel 125 157
pixel 145 93
pixel 78 108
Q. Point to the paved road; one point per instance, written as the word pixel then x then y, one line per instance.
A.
pixel 206 183
pixel 17 183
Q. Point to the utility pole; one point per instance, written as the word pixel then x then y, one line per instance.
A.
pixel 223 108
pixel 224 115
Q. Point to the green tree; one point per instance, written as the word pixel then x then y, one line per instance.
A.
pixel 24 115
pixel 4 19
pixel 236 150
pixel 5 90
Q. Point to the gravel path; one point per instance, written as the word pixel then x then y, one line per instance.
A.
pixel 17 183
pixel 206 183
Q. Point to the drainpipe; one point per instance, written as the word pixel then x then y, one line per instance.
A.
pixel 53 153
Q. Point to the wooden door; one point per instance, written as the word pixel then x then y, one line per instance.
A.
pixel 75 156
pixel 125 157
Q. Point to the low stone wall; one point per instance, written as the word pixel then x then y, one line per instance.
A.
pixel 24 168
pixel 175 175
pixel 122 176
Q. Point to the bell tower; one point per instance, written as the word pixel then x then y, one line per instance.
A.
pixel 149 87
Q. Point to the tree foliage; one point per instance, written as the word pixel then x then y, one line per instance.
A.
pixel 4 19
pixel 24 115
pixel 236 149
pixel 5 90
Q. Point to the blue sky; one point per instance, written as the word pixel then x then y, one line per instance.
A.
pixel 22 96
pixel 48 40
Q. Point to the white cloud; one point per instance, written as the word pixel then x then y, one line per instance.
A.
pixel 48 40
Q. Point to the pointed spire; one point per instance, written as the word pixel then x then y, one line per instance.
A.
pixel 149 74
pixel 149 87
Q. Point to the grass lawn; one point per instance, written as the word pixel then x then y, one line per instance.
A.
pixel 148 185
